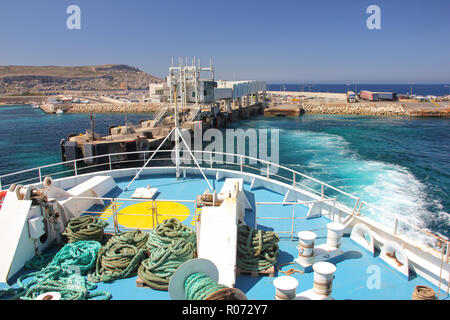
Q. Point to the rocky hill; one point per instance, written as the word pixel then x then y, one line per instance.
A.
pixel 40 79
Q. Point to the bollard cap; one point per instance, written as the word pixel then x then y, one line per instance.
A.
pixel 307 235
pixel 324 268
pixel 335 226
pixel 285 283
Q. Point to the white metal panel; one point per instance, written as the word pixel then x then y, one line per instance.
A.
pixel 218 235
pixel 14 252
pixel 218 240
pixel 223 93
pixel 242 88
pixel 100 184
pixel 96 186
pixel 36 227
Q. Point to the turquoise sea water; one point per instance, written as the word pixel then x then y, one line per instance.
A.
pixel 396 163
pixel 30 138
pixel 399 164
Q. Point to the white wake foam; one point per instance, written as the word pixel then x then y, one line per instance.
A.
pixel 390 187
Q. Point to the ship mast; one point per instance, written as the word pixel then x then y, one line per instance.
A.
pixel 177 84
pixel 92 118
pixel 177 155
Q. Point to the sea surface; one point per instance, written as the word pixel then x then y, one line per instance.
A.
pixel 417 89
pixel 29 137
pixel 399 164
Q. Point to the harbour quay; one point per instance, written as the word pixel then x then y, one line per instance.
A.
pixel 185 99
pixel 298 103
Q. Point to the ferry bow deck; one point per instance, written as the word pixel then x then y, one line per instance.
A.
pixel 355 269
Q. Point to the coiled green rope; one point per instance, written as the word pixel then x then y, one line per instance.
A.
pixel 120 257
pixel 199 286
pixel 162 263
pixel 73 287
pixel 36 263
pixel 171 244
pixel 168 231
pixel 85 228
pixel 39 261
pixel 136 238
pixel 64 274
pixel 257 250
pixel 80 255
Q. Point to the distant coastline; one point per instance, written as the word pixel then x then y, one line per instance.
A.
pixel 316 99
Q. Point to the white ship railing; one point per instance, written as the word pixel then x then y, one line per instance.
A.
pixel 293 217
pixel 154 214
pixel 290 177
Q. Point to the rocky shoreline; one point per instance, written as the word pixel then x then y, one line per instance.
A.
pixel 316 107
pixel 113 108
pixel 379 109
pixel 372 109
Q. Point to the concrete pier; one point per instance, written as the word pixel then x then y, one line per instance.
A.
pixel 336 103
pixel 103 108
pixel 380 108
pixel 146 135
pixel 284 110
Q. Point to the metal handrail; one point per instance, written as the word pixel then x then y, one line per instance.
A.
pixel 211 161
pixel 115 213
pixel 293 217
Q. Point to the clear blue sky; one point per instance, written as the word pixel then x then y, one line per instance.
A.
pixel 314 41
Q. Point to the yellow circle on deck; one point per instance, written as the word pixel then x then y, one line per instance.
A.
pixel 139 215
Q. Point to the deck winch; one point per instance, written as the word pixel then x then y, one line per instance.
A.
pixel 198 279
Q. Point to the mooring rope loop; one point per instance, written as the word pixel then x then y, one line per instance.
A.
pixel 423 293
pixel 257 249
pixel 171 244
pixel 84 228
pixel 120 257
pixel 169 230
pixel 64 274
pixel 199 286
pixel 40 261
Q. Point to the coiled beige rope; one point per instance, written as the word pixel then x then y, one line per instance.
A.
pixel 423 293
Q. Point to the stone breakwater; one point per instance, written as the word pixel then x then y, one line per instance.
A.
pixel 113 108
pixel 11 100
pixel 375 109
pixel 313 107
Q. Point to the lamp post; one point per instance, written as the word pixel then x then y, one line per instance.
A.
pixel 411 93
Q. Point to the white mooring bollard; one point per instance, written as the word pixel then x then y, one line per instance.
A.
pixel 306 247
pixel 323 277
pixel 334 235
pixel 286 287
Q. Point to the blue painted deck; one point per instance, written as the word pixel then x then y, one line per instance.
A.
pixel 351 276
